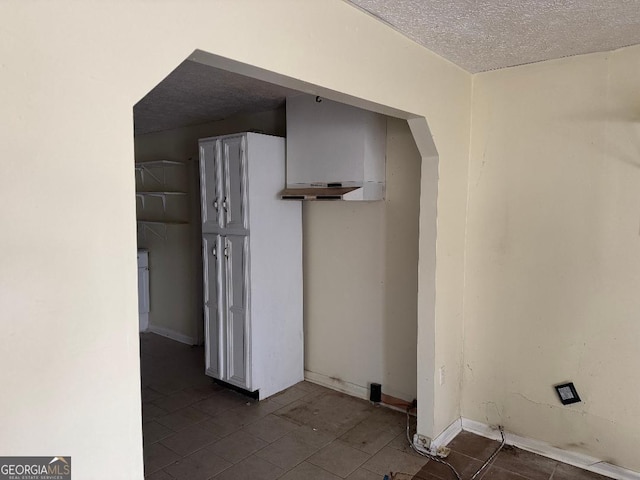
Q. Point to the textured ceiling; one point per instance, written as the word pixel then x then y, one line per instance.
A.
pixel 477 35
pixel 195 93
pixel 480 35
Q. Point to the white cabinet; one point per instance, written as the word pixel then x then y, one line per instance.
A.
pixel 234 166
pixel 252 258
pixel 224 196
pixel 226 302
pixel 213 303
pixel 331 144
pixel 210 186
pixel 237 290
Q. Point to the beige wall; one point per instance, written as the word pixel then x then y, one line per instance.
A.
pixel 360 270
pixel 71 73
pixel 553 264
pixel 176 261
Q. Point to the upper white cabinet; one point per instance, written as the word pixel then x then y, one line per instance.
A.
pixel 252 259
pixel 234 162
pixel 223 165
pixel 210 184
pixel 333 145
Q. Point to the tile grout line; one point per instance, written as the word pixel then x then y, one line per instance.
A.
pixel 308 397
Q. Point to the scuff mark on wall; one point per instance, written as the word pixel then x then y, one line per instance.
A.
pixel 488 413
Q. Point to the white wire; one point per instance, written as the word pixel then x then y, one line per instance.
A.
pixel 432 457
pixel 492 455
pixel 439 460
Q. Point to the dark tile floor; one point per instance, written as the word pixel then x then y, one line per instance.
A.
pixel 469 452
pixel 196 430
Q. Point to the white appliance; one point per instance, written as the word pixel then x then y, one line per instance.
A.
pixel 252 258
pixel 143 288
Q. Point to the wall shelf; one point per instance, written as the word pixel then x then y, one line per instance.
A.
pixel 156 170
pixel 157 227
pixel 162 195
pixel 147 168
pixel 162 222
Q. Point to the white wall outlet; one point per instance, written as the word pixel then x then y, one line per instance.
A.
pixel 441 375
pixel 421 442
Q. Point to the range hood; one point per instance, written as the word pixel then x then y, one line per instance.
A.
pixel 334 151
pixel 321 193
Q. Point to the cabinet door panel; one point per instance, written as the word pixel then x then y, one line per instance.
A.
pixel 235 183
pixel 210 184
pixel 213 305
pixel 237 301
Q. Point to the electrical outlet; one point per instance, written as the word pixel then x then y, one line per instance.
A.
pixel 421 442
pixel 441 375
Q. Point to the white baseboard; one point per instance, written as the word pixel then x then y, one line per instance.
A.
pixel 173 335
pixel 579 460
pixel 447 435
pixel 335 384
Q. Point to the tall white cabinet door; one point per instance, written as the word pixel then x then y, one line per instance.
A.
pixel 235 182
pixel 236 253
pixel 210 184
pixel 214 303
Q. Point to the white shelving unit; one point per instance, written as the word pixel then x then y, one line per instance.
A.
pixel 150 168
pixel 157 171
pixel 162 195
pixel 156 227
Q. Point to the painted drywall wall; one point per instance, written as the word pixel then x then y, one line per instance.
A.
pixel 553 260
pixel 71 73
pixel 175 257
pixel 361 281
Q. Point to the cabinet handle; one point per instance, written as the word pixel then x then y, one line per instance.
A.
pixel 226 252
pixel 215 204
pixel 214 252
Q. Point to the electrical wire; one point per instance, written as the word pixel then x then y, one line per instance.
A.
pixel 451 467
pixel 431 457
pixel 493 455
